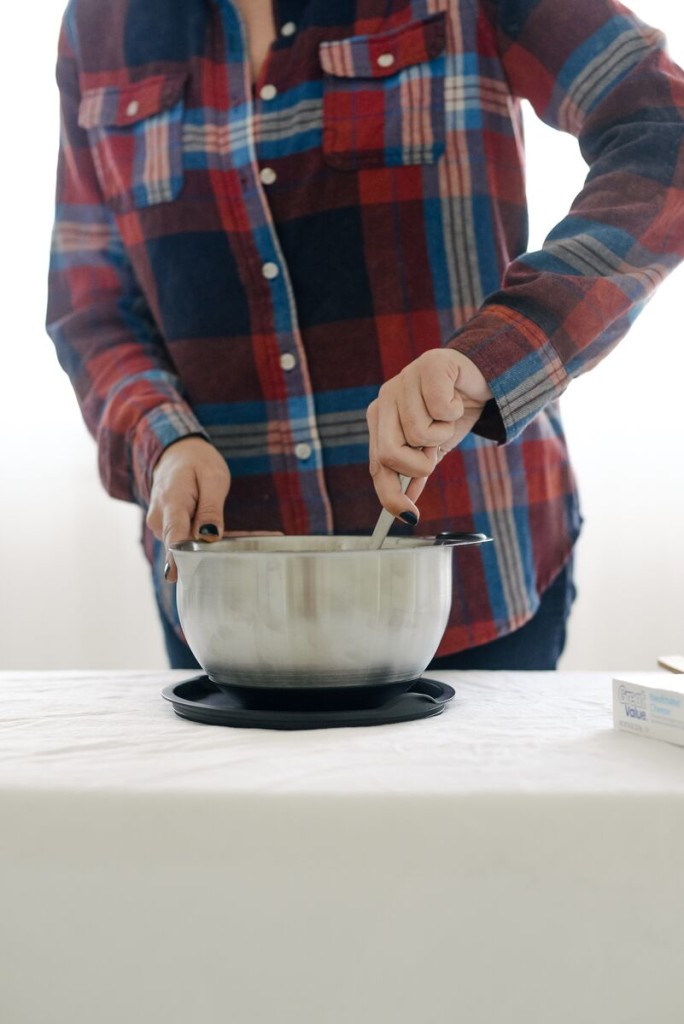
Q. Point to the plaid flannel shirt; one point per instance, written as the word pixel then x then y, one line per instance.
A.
pixel 250 263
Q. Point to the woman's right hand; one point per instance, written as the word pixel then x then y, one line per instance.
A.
pixel 190 484
pixel 419 416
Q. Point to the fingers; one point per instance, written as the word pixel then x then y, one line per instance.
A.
pixel 426 409
pixel 439 404
pixel 418 416
pixel 176 528
pixel 416 464
pixel 417 412
pixel 212 488
pixel 390 496
pixel 391 446
pixel 189 488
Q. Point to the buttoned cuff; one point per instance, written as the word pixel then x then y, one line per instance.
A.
pixel 519 363
pixel 158 429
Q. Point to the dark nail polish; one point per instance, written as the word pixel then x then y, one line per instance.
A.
pixel 208 530
pixel 167 570
pixel 408 518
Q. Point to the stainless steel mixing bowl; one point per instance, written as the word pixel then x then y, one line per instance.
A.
pixel 314 611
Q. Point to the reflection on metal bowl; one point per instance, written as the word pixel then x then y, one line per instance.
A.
pixel 313 611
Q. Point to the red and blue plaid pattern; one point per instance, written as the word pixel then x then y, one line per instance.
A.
pixel 371 81
pixel 251 264
pixel 137 132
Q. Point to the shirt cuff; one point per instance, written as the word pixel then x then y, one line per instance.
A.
pixel 521 367
pixel 158 429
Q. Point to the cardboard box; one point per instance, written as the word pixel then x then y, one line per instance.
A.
pixel 650 704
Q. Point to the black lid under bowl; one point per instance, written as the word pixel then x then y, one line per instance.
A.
pixel 201 700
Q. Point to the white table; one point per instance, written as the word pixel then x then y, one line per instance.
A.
pixel 513 860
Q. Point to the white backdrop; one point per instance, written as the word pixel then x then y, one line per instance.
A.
pixel 75 591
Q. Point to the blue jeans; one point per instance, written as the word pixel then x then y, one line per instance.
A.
pixel 535 646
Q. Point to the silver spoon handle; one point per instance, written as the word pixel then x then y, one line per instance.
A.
pixel 385 520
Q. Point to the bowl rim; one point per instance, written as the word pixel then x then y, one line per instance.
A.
pixel 230 546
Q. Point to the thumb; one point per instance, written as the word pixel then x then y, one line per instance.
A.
pixel 212 490
pixel 175 530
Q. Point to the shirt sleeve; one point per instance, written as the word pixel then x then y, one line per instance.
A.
pixel 102 328
pixel 593 69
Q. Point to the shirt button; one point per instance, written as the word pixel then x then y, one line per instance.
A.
pixel 267 175
pixel 132 108
pixel 385 60
pixel 288 361
pixel 303 451
pixel 268 92
pixel 270 271
pixel 288 29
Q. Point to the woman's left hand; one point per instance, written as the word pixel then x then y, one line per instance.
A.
pixel 419 416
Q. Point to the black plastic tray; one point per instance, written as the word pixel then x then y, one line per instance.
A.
pixel 201 700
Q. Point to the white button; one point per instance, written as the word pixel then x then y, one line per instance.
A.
pixel 288 361
pixel 386 60
pixel 132 108
pixel 270 271
pixel 302 451
pixel 268 92
pixel 267 175
pixel 288 29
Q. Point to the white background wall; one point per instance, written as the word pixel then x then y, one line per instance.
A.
pixel 74 590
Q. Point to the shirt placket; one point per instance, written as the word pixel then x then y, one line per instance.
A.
pixel 310 510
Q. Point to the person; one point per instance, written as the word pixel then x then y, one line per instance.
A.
pixel 290 248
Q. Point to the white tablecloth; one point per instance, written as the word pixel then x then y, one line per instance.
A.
pixel 512 860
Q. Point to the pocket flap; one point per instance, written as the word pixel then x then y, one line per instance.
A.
pixel 119 106
pixel 386 53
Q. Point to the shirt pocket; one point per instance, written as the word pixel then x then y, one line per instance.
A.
pixel 136 139
pixel 383 96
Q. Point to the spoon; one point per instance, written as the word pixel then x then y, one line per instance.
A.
pixel 385 520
